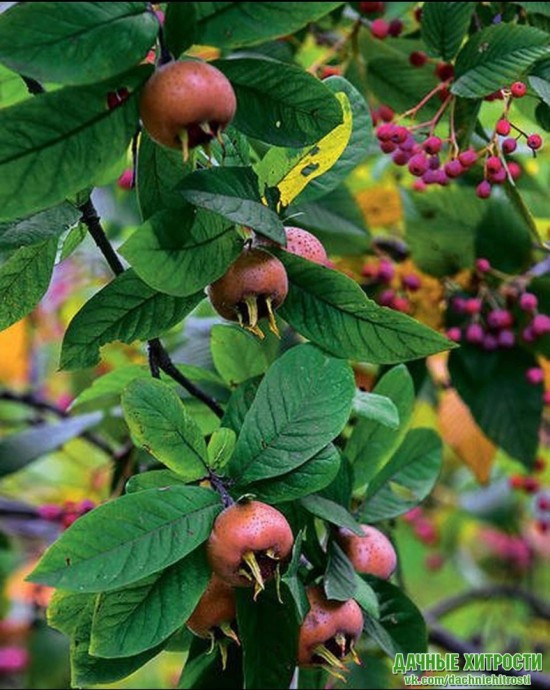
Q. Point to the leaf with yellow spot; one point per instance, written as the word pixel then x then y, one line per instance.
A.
pixel 14 346
pixel 290 171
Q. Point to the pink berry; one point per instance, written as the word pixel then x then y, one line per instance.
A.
pixel 85 506
pixel 433 162
pixel 534 141
pixel 500 318
pixel 444 71
pixel 426 531
pixel 490 343
pixel 386 271
pixel 483 265
pixel 503 127
pixel 459 305
pixel 514 169
pixel 50 512
pixel 497 178
pixel 509 145
pixel 126 180
pixel 540 325
pixel 454 333
pixel 546 398
pixel 543 526
pixel 473 305
pixel 388 146
pixel 380 28
pixel 401 304
pixel 386 113
pixel 531 485
pixel 395 28
pixel 385 131
pixel 467 158
pixel 418 165
pixel 493 164
pixel 413 514
pixel 516 481
pixel 430 176
pixel 528 301
pixel 518 89
pixel 441 177
pixel 528 335
pixel 13 659
pixel 432 145
pixel 386 297
pixel 418 58
pixel 411 281
pixel 453 168
pixel 483 190
pixel 400 157
pixel 434 561
pixel 475 334
pixel 400 134
pixel 534 375
pixel 543 503
pixel 408 145
pixel 419 185
pixel 506 339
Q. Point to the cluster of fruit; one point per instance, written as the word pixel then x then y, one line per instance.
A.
pixel 249 542
pixel 380 280
pixel 66 513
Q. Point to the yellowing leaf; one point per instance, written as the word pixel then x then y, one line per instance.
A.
pixel 290 171
pixel 381 205
pixel 14 346
pixel 460 431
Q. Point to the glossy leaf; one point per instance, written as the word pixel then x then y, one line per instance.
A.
pixel 331 512
pixel 221 446
pixel 301 405
pixel 129 538
pixel 444 25
pixel 126 309
pixel 376 408
pixel 180 26
pixel 237 355
pixel 339 580
pixel 39 227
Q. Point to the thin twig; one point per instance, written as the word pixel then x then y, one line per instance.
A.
pixel 537 606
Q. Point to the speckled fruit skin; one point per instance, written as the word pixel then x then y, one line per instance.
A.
pixel 372 554
pixel 253 273
pixel 243 527
pixel 183 95
pixel 215 607
pixel 304 244
pixel 323 622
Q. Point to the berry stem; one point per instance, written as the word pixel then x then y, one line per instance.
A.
pixel 413 111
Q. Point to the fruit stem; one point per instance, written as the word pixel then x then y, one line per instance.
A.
pixel 217 483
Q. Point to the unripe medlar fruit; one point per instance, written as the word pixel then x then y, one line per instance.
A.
pixel 300 242
pixel 252 288
pixel 185 104
pixel 329 632
pixel 247 544
pixel 214 614
pixel 372 553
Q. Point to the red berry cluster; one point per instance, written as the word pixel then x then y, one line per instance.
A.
pixel 379 279
pixel 65 514
pixel 542 511
pixel 427 533
pixel 507 548
pixel 497 319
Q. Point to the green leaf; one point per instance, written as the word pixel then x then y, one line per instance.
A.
pixel 132 620
pixel 371 444
pixel 24 278
pixel 504 404
pixel 231 24
pixel 495 56
pixel 339 580
pixel 356 150
pixel 536 7
pixel 203 669
pixel 441 229
pixel 332 310
pixel 541 87
pixel 269 635
pixel 233 193
pixel 336 220
pixel 159 422
pixel 221 447
pixel 113 383
pixel 152 479
pixel 76 43
pixel 315 474
pixel 65 608
pixel 160 171
pixel 239 403
pixel 301 405
pixel 126 309
pixel 401 628
pixel 180 26
pixel 340 489
pixel 406 479
pixel 39 227
pixel 279 103
pixel 90 670
pixel 444 25
pixel 19 449
pixel 293 582
pixel 181 252
pixel 129 538
pixel 45 157
pixel 376 408
pixel 237 355
pixel 366 597
pixel 331 512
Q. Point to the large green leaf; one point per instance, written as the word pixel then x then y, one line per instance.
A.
pixel 340 580
pixel 159 422
pixel 279 103
pixel 497 56
pixel 65 608
pixel 301 405
pixel 39 227
pixel 371 443
pixel 406 479
pixel 332 310
pixel 239 403
pixel 269 635
pixel 181 252
pixel 24 278
pixel 233 192
pixel 76 42
pixel 357 147
pixel 401 628
pixel 444 25
pixel 58 143
pixel 315 474
pixel 502 401
pixel 152 479
pixel 376 408
pixel 126 309
pixel 237 355
pixel 230 24
pixel 19 449
pixel 331 512
pixel 132 620
pixel 160 171
pixel 180 26
pixel 129 538
pixel 89 670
